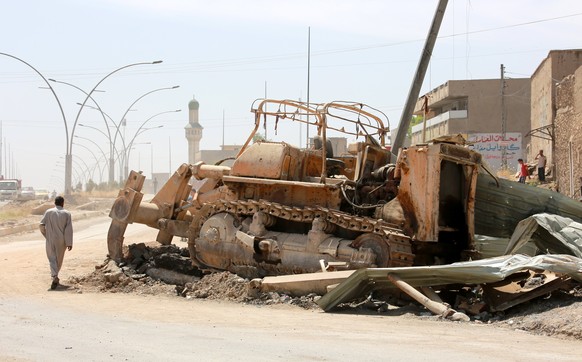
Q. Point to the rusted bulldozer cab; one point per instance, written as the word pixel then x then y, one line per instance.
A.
pixel 437 195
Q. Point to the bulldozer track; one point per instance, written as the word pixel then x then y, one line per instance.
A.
pixel 401 254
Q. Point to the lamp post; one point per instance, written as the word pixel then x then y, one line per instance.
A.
pixel 52 91
pixel 141 128
pixel 121 121
pixel 95 157
pixel 112 140
pixel 98 107
pixel 69 155
pixel 127 150
pixel 112 149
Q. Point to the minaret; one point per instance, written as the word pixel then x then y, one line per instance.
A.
pixel 193 132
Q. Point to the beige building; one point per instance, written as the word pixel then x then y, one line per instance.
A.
pixel 225 155
pixel 544 81
pixel 474 108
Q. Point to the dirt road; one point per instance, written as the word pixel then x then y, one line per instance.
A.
pixel 39 324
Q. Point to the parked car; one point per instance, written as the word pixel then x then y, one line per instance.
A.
pixel 42 194
pixel 27 193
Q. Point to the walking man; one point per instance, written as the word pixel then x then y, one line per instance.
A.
pixel 57 228
pixel 541 166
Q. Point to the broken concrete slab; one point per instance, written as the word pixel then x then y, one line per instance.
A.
pixel 303 284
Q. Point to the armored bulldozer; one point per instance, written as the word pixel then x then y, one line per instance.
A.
pixel 281 209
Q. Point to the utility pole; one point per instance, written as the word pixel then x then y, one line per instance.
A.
pixel 308 77
pixel 406 116
pixel 503 122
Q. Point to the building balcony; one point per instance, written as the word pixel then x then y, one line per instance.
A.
pixel 443 117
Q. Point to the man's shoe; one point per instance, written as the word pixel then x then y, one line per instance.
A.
pixel 54 284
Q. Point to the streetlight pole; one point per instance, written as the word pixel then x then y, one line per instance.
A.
pixel 69 155
pixel 56 98
pixel 130 146
pixel 98 107
pixel 96 159
pixel 112 149
pixel 121 121
pixel 139 131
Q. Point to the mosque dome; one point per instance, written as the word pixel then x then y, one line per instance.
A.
pixel 193 104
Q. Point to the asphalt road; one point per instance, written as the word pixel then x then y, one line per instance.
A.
pixel 38 324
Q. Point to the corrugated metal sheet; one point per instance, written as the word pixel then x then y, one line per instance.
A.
pixel 498 210
pixel 490 270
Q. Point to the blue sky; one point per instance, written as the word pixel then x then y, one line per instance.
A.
pixel 226 53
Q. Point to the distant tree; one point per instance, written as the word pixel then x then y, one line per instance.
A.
pixel 90 185
pixel 259 137
pixel 413 122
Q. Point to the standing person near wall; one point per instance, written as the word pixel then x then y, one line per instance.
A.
pixel 523 172
pixel 541 166
pixel 57 228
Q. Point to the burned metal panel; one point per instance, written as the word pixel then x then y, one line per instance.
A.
pixel 521 287
pixel 437 190
pixel 498 209
pixel 174 191
pixel 268 160
pixel 286 192
pixel 420 166
pixel 471 273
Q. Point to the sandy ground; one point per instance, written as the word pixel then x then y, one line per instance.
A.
pixel 39 324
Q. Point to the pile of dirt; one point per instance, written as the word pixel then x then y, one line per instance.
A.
pixel 167 270
pixel 557 314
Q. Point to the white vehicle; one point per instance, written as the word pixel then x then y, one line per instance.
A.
pixel 10 189
pixel 27 193
pixel 42 194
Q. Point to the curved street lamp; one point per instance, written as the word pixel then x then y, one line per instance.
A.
pixel 69 155
pixel 141 129
pixel 130 107
pixel 53 92
pixel 96 160
pixel 113 140
pixel 98 107
pixel 137 133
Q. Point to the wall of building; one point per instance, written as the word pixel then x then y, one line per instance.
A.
pixel 568 135
pixel 473 108
pixel 557 65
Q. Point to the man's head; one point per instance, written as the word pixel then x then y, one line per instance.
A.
pixel 541 152
pixel 59 201
pixel 520 160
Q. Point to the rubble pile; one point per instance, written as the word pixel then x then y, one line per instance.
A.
pixel 167 269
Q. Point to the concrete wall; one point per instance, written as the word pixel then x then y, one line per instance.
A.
pixel 568 135
pixel 557 65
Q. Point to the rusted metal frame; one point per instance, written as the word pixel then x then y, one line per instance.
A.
pixel 323 130
pixel 380 128
pixel 545 130
pixel 259 111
